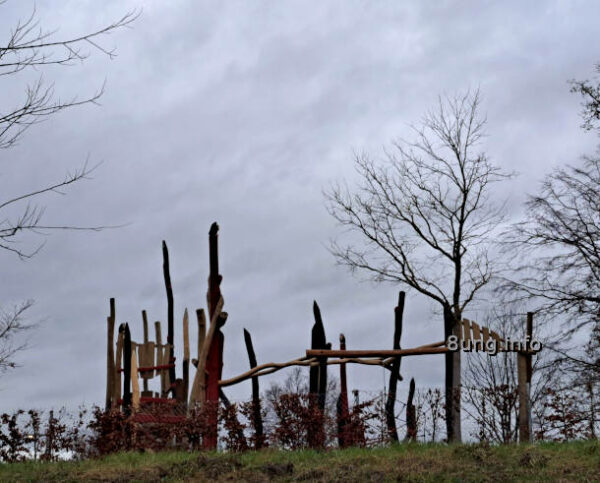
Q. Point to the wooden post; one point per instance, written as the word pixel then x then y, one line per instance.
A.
pixel 127 371
pixel 170 314
pixel 198 392
pixel 201 317
pixel 342 403
pixel 110 356
pixel 214 278
pixel 144 349
pixel 214 368
pixel 135 383
pixel 186 356
pixel 524 373
pixel 117 372
pixel 411 415
pixel 318 374
pixel 391 399
pixel 214 360
pixel 256 409
pixel 159 356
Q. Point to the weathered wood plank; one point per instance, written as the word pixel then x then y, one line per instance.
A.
pixel 110 357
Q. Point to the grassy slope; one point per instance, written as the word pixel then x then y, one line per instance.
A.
pixel 578 461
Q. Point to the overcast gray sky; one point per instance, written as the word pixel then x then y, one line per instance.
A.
pixel 242 112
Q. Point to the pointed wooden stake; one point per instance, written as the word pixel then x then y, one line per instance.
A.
pixel 391 399
pixel 256 408
pixel 170 313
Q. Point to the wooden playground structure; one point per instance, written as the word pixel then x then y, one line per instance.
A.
pixel 129 361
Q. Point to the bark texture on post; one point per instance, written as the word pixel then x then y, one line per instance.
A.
pixel 186 359
pixel 342 402
pixel 170 314
pixel 214 361
pixel 146 356
pixel 119 359
pixel 391 399
pixel 110 357
pixel 411 414
pixel 452 392
pixel 318 377
pixel 318 380
pixel 127 371
pixel 524 373
pixel 159 352
pixel 256 407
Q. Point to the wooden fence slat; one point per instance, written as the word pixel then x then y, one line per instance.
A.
pixel 486 334
pixel 135 383
pixel 466 331
pixel 476 330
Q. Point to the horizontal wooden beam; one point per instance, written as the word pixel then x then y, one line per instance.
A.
pixel 417 351
pixel 271 367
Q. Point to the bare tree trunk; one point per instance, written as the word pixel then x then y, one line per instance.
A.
pixel 453 381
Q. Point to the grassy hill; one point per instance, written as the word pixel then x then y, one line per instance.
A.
pixel 577 461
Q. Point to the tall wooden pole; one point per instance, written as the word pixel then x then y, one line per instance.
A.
pixel 144 349
pixel 318 374
pixel 342 404
pixel 411 415
pixel 256 409
pixel 391 398
pixel 159 357
pixel 214 361
pixel 127 371
pixel 110 356
pixel 170 313
pixel 186 356
pixel 524 373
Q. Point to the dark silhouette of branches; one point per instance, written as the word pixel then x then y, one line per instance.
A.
pixel 11 328
pixel 559 246
pixel 490 381
pixel 31 47
pixel 591 101
pixel 423 213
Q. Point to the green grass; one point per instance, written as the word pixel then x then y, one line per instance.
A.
pixel 576 461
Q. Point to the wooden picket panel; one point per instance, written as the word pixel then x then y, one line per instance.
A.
pixel 466 330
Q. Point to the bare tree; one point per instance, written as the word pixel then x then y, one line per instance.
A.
pixel 424 217
pixel 490 381
pixel 11 326
pixel 559 246
pixel 30 47
pixel 26 48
